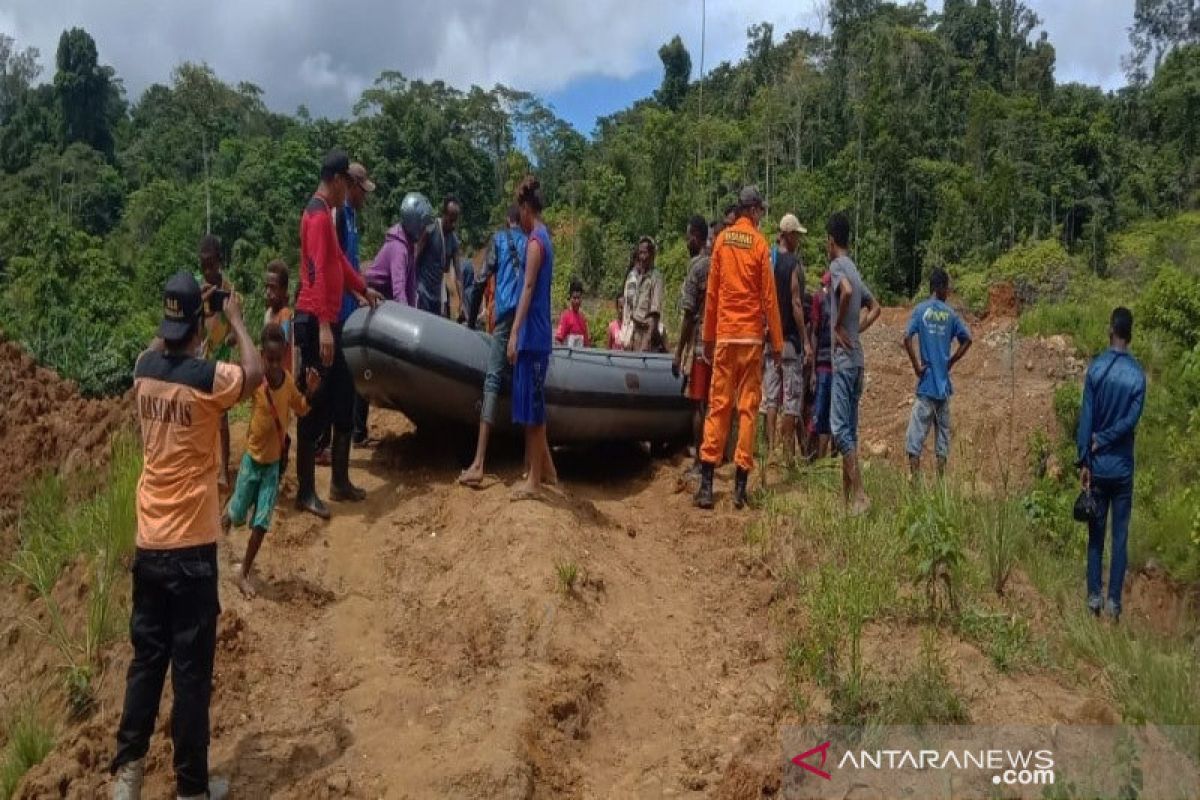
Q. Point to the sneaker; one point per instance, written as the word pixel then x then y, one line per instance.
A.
pixel 218 789
pixel 128 785
pixel 1095 605
pixel 1113 611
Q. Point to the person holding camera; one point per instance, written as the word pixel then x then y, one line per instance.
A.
pixel 180 401
pixel 218 337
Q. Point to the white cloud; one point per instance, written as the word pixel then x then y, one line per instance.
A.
pixel 323 55
pixel 319 72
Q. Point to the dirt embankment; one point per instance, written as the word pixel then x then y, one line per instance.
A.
pixel 46 424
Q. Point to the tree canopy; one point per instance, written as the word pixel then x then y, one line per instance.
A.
pixel 944 136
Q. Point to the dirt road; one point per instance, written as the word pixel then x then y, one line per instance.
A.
pixel 424 643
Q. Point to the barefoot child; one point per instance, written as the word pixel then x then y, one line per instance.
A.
pixel 258 478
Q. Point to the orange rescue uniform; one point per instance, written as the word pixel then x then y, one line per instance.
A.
pixel 180 401
pixel 741 295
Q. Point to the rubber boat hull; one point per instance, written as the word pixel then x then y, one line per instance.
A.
pixel 432 371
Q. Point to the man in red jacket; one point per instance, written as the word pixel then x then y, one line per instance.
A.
pixel 324 275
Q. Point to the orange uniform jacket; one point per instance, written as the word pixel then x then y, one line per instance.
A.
pixel 741 289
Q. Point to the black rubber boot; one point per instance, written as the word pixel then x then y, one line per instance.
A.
pixel 704 495
pixel 341 490
pixel 306 480
pixel 740 479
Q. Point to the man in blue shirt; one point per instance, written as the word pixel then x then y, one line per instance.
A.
pixel 505 261
pixel 936 325
pixel 1114 391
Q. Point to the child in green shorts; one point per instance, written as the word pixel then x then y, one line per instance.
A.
pixel 258 478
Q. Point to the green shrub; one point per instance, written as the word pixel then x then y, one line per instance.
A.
pixel 1068 399
pixel 1040 270
pixel 1141 250
pixel 29 741
pixel 931 524
pixel 972 289
pixel 1171 303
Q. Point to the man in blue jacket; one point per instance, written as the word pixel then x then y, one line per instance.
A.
pixel 1114 392
pixel 506 260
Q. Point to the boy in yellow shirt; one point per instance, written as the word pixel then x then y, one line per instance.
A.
pixel 258 477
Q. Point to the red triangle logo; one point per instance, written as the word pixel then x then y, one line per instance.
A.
pixel 802 760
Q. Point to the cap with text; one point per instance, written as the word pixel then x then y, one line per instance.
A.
pixel 181 306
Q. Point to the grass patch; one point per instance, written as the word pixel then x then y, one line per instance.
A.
pixel 1152 680
pixel 567 574
pixel 1005 638
pixel 29 741
pixel 925 696
pixel 100 532
pixel 1084 322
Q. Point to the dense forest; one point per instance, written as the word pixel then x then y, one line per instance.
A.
pixel 945 136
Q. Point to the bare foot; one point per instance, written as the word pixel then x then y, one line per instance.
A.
pixel 471 476
pixel 247 586
pixel 525 491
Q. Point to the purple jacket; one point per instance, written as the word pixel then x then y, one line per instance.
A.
pixel 393 273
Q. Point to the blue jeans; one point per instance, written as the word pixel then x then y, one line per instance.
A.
pixel 929 413
pixel 843 413
pixel 822 399
pixel 1117 494
pixel 498 369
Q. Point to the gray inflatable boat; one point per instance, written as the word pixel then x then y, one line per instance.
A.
pixel 432 370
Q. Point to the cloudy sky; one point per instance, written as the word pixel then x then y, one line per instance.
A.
pixel 586 58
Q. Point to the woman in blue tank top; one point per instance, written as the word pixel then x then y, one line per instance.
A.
pixel 531 341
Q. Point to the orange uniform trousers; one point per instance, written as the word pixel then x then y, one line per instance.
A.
pixel 736 382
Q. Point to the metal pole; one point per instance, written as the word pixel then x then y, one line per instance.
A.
pixel 700 104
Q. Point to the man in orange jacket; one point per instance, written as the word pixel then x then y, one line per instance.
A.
pixel 741 294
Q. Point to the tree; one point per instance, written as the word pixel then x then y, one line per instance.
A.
pixel 677 71
pixel 1159 26
pixel 89 95
pixel 18 71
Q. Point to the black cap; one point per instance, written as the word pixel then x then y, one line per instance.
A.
pixel 181 306
pixel 750 197
pixel 336 162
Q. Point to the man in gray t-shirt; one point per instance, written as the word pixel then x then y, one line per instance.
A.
pixel 847 349
pixel 851 299
pixel 437 257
